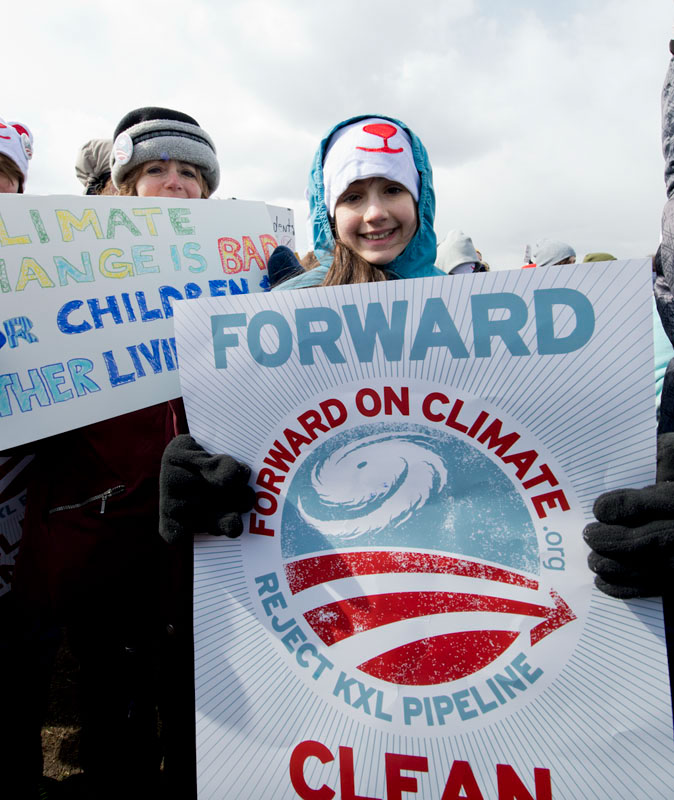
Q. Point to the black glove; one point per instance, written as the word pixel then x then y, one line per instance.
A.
pixel 200 492
pixel 633 542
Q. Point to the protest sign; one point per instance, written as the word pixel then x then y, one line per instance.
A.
pixel 87 290
pixel 409 610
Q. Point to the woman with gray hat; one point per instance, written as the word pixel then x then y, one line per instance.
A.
pixel 92 556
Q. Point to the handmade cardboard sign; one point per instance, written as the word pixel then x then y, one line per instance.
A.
pixel 409 611
pixel 87 291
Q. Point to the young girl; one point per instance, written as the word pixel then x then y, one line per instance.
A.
pixel 372 208
pixel 371 205
pixel 92 557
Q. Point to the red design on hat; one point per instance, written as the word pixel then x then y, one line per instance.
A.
pixel 386 132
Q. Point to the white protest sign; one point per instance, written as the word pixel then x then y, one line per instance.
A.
pixel 87 290
pixel 409 611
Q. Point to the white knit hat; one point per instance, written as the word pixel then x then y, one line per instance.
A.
pixel 369 148
pixel 550 251
pixel 454 251
pixel 16 142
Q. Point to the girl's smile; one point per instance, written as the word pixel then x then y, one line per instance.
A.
pixel 376 218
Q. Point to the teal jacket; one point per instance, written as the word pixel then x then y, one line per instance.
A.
pixel 418 258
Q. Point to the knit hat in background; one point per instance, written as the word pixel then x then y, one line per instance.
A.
pixel 598 257
pixel 93 165
pixel 550 251
pixel 151 133
pixel 369 148
pixel 16 142
pixel 455 250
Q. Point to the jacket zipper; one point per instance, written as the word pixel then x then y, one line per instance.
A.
pixel 103 497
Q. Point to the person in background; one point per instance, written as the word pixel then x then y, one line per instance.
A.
pixel 591 257
pixel 632 541
pixel 457 255
pixel 282 265
pixel 16 150
pixel 93 167
pixel 551 253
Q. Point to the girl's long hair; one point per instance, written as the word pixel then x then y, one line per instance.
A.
pixel 348 267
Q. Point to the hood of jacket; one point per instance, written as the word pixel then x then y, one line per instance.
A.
pixel 418 258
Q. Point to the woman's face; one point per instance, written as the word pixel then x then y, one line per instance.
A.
pixel 377 218
pixel 168 179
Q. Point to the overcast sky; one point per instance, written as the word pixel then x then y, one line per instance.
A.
pixel 541 117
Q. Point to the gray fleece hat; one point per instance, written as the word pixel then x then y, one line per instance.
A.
pixel 152 133
pixel 549 252
pixel 456 249
pixel 93 165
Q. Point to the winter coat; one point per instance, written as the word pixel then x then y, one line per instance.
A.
pixel 90 542
pixel 418 258
pixel 665 280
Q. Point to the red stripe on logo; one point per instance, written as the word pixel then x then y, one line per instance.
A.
pixel 337 621
pixel 439 659
pixel 308 572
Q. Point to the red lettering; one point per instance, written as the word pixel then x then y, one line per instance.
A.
pixel 269 244
pixel 273 503
pixel 268 479
pixel 347 778
pixel 426 406
pixel 550 499
pixel 327 407
pixel 396 783
pixel 402 402
pixel 453 414
pixel 229 253
pixel 250 253
pixel 258 526
pixel 524 461
pixel 311 422
pixel 493 435
pixel 510 787
pixel 545 475
pixel 461 783
pixel 300 754
pixel 295 440
pixel 372 395
pixel 277 457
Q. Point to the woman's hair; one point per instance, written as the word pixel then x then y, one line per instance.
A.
pixel 11 170
pixel 348 267
pixel 128 186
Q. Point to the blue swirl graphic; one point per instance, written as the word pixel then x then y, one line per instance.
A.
pixel 397 485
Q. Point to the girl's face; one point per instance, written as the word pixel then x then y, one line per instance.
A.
pixel 377 218
pixel 168 179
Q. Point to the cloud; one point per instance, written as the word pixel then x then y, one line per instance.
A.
pixel 540 119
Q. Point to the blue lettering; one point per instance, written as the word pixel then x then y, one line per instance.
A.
pixel 391 335
pixel 325 338
pixel 113 371
pixel 65 269
pixel 285 338
pixel 64 312
pixel 222 340
pixel 142 258
pixel 53 374
pixel 484 328
pixel 544 300
pixel 79 369
pixel 436 329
